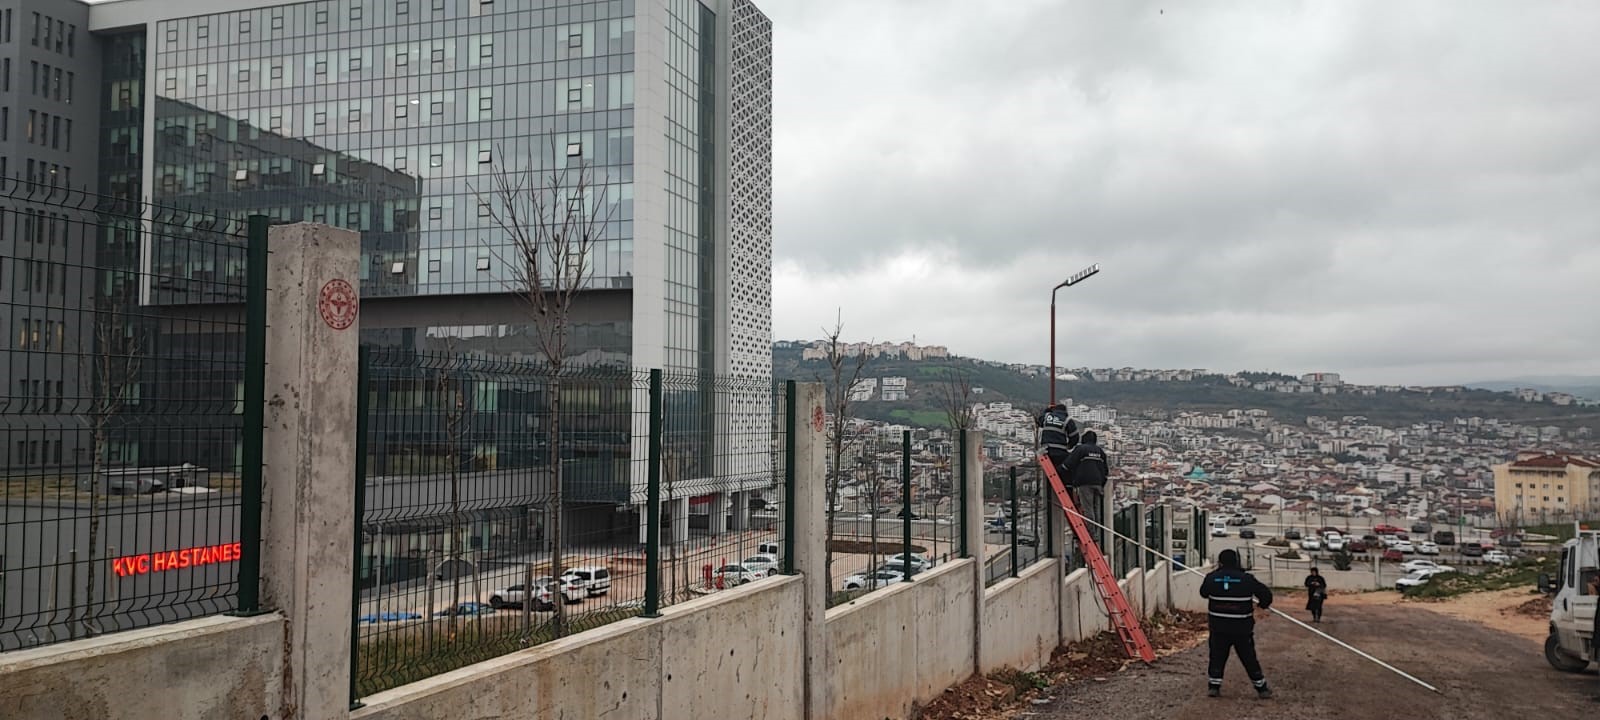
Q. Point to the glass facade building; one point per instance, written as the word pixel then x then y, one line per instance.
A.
pixel 396 118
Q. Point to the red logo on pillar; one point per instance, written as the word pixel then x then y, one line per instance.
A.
pixel 338 304
pixel 817 418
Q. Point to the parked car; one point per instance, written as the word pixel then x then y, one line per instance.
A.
pixel 1421 528
pixel 1393 555
pixel 1511 541
pixel 1496 557
pixel 1310 543
pixel 1425 565
pixel 1291 534
pixel 1356 546
pixel 1444 537
pixel 1242 519
pixel 1471 549
pixel 877 579
pixel 765 563
pixel 918 562
pixel 594 579
pixel 544 599
pixel 736 575
pixel 1372 541
pixel 1334 542
pixel 1386 529
pixel 1247 534
pixel 466 609
pixel 1219 529
pixel 1427 548
pixel 513 596
pixel 1416 579
pixel 1405 547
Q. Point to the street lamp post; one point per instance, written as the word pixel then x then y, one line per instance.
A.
pixel 1076 278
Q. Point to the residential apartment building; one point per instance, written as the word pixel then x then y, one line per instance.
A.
pixel 1546 484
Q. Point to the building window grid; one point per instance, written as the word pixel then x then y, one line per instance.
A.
pixel 591 126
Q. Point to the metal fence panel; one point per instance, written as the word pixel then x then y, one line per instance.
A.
pixel 121 332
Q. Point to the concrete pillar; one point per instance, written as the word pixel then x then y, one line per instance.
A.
pixel 308 517
pixel 718 522
pixel 1139 555
pixel 741 510
pixel 679 507
pixel 810 546
pixel 972 457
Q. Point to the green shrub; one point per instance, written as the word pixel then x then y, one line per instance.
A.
pixel 1342 560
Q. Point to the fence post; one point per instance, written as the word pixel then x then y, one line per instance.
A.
pixel 962 461
pixel 1015 522
pixel 905 503
pixel 254 420
pixel 790 396
pixel 363 377
pixel 308 490
pixel 806 534
pixel 652 510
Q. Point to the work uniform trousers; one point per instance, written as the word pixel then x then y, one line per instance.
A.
pixel 1241 642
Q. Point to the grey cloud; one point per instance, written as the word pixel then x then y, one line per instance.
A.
pixel 1357 184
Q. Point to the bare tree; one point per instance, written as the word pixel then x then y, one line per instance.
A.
pixel 955 398
pixel 113 376
pixel 552 212
pixel 844 373
pixel 451 397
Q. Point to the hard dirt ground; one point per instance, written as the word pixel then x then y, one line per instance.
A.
pixel 1483 651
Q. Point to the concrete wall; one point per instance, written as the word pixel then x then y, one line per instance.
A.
pixel 1019 630
pixel 738 650
pixel 1186 590
pixel 219 668
pixel 903 645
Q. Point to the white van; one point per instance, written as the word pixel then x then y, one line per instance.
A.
pixel 595 579
pixel 1219 528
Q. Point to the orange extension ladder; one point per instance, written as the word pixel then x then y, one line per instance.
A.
pixel 1123 618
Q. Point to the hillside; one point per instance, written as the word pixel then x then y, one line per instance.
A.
pixel 1001 384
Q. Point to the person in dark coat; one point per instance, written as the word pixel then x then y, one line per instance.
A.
pixel 1316 593
pixel 1058 435
pixel 1087 468
pixel 1232 596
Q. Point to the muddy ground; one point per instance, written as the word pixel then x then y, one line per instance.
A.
pixel 1484 672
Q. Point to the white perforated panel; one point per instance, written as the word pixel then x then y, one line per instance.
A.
pixel 750 156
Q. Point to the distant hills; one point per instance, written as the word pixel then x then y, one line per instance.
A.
pixel 1210 393
pixel 1584 386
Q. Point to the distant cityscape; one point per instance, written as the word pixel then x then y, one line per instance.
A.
pixel 1473 470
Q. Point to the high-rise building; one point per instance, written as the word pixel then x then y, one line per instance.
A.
pixel 394 118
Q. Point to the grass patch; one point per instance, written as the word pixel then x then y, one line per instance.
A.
pixel 1523 574
pixel 1020 681
pixel 401 655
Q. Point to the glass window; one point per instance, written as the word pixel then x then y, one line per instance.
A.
pixel 484 156
pixel 244 26
pixel 321 68
pixel 355 115
pixel 244 76
pixel 322 17
pixel 172 84
pixel 438 55
pixel 202 31
pixel 172 34
pixel 200 80
pixel 355 62
pixel 436 160
pixel 400 110
pixel 402 7
pixel 318 168
pixel 355 12
pixel 276 72
pixel 486 50
pixel 277 22
pixel 320 118
pixel 436 107
pixel 402 59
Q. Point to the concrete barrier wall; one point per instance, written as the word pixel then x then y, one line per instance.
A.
pixel 739 648
pixel 217 667
pixel 897 648
pixel 1019 626
pixel 1186 590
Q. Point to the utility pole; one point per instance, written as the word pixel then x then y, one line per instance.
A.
pixel 1076 278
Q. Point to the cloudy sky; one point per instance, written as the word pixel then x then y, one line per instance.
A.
pixel 1404 192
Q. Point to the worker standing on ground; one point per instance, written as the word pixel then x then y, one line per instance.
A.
pixel 1233 594
pixel 1316 593
pixel 1086 469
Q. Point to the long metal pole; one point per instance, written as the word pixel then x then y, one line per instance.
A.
pixel 905 499
pixel 1053 345
pixel 363 374
pixel 652 505
pixel 965 551
pixel 790 497
pixel 1016 523
pixel 254 418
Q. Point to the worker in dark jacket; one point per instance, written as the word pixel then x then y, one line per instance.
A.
pixel 1058 433
pixel 1233 595
pixel 1085 472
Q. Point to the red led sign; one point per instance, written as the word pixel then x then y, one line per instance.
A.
pixel 174 559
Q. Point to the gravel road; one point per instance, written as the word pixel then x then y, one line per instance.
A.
pixel 1484 674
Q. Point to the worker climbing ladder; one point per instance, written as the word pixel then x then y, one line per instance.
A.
pixel 1123 618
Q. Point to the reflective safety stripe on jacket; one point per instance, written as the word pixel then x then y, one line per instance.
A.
pixel 1231 607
